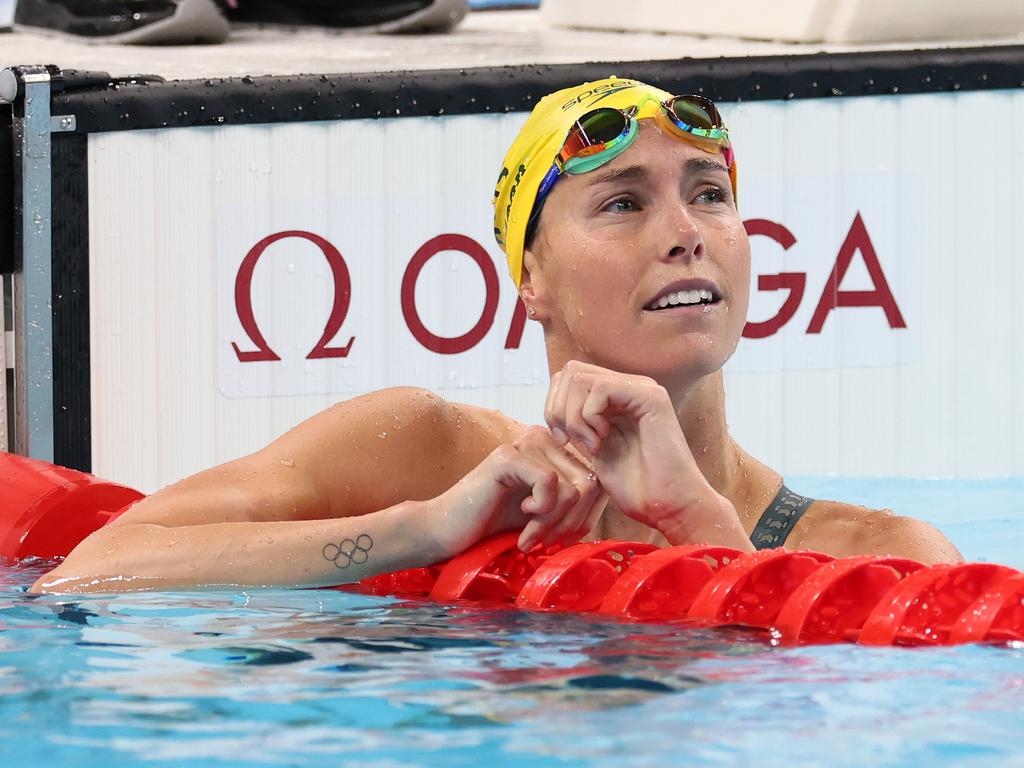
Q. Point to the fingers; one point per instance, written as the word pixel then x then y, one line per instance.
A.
pixel 577 399
pixel 592 410
pixel 548 506
pixel 569 410
pixel 545 487
pixel 562 507
pixel 554 411
pixel 568 391
pixel 532 533
pixel 575 522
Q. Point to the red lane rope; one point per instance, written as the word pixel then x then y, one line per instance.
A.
pixel 803 597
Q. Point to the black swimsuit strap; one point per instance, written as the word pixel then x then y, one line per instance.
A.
pixel 779 518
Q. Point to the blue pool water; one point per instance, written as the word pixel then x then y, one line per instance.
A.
pixel 322 678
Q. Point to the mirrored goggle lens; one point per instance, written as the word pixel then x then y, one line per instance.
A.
pixel 696 112
pixel 592 131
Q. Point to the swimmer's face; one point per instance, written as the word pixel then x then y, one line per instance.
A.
pixel 658 219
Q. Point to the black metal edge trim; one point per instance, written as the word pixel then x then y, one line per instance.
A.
pixel 7 234
pixel 72 391
pixel 247 100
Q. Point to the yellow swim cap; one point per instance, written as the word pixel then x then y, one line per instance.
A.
pixel 532 153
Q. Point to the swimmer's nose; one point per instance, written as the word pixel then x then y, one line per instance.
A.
pixel 686 241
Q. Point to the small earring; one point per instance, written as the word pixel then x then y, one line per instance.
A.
pixel 532 311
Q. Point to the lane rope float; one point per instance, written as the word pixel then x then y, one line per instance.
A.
pixel 801 597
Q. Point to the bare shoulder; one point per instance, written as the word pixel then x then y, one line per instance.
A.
pixel 844 530
pixel 409 419
pixel 358 456
pixel 411 410
pixel 393 445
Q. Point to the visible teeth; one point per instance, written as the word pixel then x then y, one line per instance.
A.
pixel 683 298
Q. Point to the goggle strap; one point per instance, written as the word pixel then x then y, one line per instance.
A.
pixel 548 181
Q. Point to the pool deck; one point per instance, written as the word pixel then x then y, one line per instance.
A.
pixel 484 39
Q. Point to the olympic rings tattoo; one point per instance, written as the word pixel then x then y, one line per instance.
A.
pixel 348 551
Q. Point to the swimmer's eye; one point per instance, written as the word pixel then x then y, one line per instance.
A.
pixel 621 205
pixel 713 195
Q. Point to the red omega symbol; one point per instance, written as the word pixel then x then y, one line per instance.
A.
pixel 243 300
pixel 442 344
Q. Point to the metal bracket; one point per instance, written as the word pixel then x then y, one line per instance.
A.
pixel 28 88
pixel 62 123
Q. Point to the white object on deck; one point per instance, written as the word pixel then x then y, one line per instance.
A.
pixel 800 21
pixel 491 39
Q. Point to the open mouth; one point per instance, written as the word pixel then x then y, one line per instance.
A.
pixel 691 298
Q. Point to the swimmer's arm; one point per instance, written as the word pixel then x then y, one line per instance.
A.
pixel 334 466
pixel 362 455
pixel 308 553
pixel 844 530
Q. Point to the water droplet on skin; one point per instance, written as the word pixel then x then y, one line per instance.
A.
pixel 382 435
pixel 288 462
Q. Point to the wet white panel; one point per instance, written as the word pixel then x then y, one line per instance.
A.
pixel 944 224
pixel 246 277
pixel 179 212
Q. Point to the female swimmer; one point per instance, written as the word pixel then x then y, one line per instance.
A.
pixel 616 208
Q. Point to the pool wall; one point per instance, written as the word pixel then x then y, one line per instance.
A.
pixel 232 256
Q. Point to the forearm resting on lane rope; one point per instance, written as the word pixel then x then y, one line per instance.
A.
pixel 307 553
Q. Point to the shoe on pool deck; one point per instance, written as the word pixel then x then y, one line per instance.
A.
pixel 355 15
pixel 142 22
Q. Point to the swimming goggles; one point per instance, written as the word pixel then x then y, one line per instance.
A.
pixel 603 134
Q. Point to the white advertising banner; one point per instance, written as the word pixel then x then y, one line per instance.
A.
pixel 364 288
pixel 308 308
pixel 265 272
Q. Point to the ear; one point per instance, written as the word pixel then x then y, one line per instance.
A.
pixel 532 288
